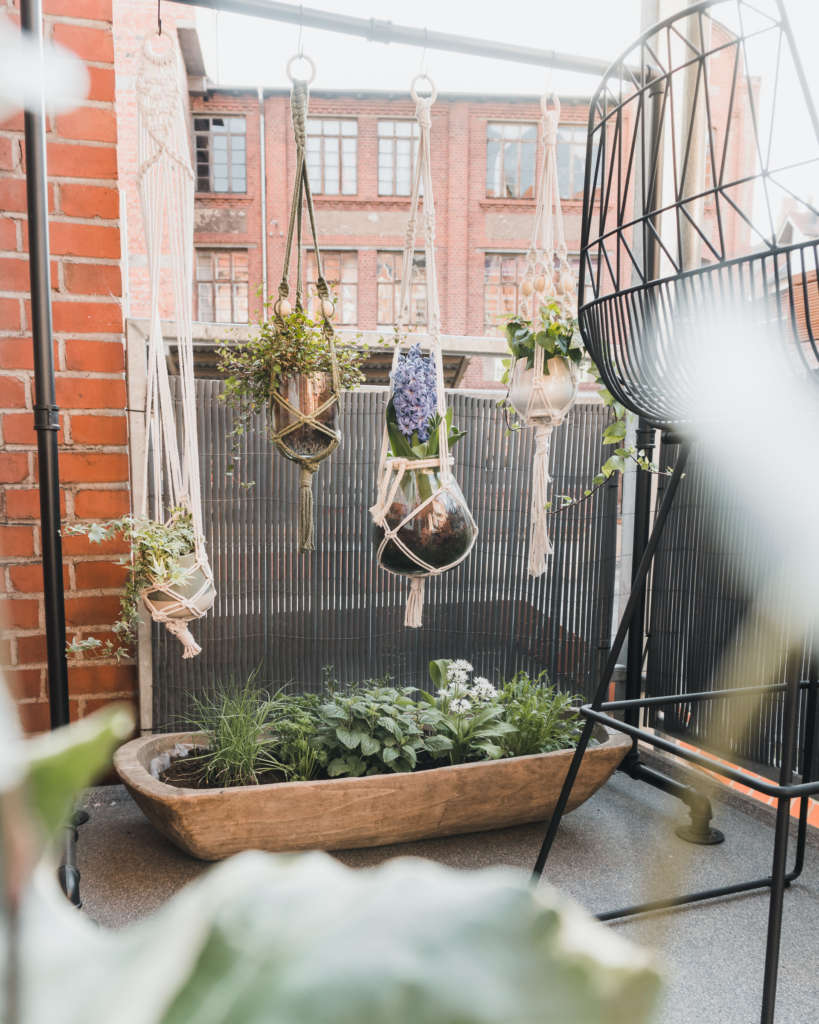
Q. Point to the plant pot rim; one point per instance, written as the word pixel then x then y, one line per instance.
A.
pixel 369 811
pixel 127 759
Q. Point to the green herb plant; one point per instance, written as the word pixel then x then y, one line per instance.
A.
pixel 369 731
pixel 542 718
pixel 156 548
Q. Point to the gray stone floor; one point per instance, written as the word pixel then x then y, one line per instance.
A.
pixel 617 849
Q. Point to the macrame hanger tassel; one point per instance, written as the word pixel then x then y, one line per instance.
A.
pixel 414 615
pixel 539 544
pixel 179 628
pixel 306 528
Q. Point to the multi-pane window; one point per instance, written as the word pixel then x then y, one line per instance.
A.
pixel 571 160
pixel 332 155
pixel 341 274
pixel 511 152
pixel 221 286
pixel 221 154
pixel 503 274
pixel 397 156
pixel 390 265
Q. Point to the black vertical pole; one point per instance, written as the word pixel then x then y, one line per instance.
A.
pixel 46 415
pixel 642 522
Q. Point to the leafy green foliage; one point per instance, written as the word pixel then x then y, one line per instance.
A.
pixel 542 719
pixel 369 731
pixel 63 762
pixel 557 334
pixel 461 731
pixel 156 548
pixel 411 447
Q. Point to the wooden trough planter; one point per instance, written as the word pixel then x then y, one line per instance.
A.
pixel 342 814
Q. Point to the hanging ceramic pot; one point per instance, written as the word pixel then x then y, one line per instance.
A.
pixel 306 395
pixel 196 588
pixel 440 533
pixel 548 399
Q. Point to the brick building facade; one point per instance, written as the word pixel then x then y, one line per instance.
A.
pixel 90 363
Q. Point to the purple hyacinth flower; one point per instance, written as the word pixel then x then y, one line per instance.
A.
pixel 414 393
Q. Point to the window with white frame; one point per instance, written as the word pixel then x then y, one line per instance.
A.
pixel 397 157
pixel 221 153
pixel 221 286
pixel 341 274
pixel 332 156
pixel 571 160
pixel 390 266
pixel 511 153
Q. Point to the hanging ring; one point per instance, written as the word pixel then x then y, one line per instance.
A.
pixel 423 77
pixel 307 61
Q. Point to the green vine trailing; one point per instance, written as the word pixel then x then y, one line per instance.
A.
pixel 558 334
pixel 279 348
pixel 153 562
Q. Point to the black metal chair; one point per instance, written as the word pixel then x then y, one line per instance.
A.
pixel 692 169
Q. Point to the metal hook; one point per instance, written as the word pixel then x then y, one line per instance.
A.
pixel 159 17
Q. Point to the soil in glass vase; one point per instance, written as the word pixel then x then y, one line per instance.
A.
pixel 306 392
pixel 440 533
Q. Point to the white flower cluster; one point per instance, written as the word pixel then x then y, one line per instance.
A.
pixel 459 693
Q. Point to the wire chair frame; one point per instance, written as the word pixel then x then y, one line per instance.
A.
pixel 663 250
pixel 661 235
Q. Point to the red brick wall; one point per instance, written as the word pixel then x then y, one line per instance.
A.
pixel 89 362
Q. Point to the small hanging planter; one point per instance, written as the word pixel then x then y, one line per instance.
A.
pixel 294 369
pixel 422 523
pixel 547 349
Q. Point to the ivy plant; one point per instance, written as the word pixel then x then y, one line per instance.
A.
pixel 156 548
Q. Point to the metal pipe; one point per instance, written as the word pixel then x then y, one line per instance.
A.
pixel 377 30
pixel 263 177
pixel 46 413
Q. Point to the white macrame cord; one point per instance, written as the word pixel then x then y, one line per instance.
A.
pixel 391 470
pixel 166 188
pixel 542 279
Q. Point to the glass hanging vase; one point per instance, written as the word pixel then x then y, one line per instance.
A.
pixel 546 400
pixel 439 531
pixel 300 397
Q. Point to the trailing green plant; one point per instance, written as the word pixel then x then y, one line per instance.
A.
pixel 156 548
pixel 542 718
pixel 280 347
pixel 370 730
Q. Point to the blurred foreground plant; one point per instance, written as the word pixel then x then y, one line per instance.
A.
pixel 293 939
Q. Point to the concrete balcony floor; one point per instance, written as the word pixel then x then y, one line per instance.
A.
pixel 619 848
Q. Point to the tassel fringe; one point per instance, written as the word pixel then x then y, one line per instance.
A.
pixel 179 628
pixel 539 544
pixel 306 540
pixel 413 619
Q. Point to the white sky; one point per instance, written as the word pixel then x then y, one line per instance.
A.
pixel 246 51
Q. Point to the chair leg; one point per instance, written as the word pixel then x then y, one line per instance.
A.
pixel 602 687
pixel 779 868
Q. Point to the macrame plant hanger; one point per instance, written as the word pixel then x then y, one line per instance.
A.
pixel 297 418
pixel 548 275
pixel 391 470
pixel 166 188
